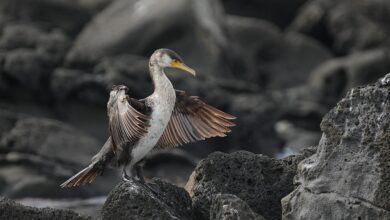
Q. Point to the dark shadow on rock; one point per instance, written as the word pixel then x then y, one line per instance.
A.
pixel 258 180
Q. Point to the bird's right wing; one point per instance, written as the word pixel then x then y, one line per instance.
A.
pixel 127 124
pixel 193 120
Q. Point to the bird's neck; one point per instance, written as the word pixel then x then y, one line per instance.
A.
pixel 160 81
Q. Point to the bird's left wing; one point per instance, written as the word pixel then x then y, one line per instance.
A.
pixel 126 122
pixel 193 120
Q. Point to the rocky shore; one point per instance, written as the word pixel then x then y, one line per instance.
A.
pixel 306 79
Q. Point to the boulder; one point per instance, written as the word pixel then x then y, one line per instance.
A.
pixel 331 80
pixel 270 58
pixel 68 16
pixel 191 28
pixel 258 180
pixel 29 54
pixel 155 200
pixel 278 12
pixel 230 207
pixel 13 210
pixel 346 25
pixel 348 177
pixel 38 154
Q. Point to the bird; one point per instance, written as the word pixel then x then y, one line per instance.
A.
pixel 167 118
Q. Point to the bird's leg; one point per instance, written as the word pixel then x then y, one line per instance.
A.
pixel 139 173
pixel 125 176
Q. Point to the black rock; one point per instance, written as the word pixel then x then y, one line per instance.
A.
pixel 348 177
pixel 230 207
pixel 13 210
pixel 68 16
pixel 38 154
pixel 29 55
pixel 278 12
pixel 155 200
pixel 331 80
pixel 258 180
pixel 346 25
pixel 270 58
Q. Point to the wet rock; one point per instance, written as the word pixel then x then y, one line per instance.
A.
pixel 331 80
pixel 134 200
pixel 191 28
pixel 258 180
pixel 68 16
pixel 346 25
pixel 13 210
pixel 230 207
pixel 349 173
pixel 286 11
pixel 269 57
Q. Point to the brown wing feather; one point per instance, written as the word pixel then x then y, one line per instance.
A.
pixel 193 120
pixel 126 123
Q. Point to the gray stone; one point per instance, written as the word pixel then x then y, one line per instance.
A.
pixel 331 80
pixel 13 210
pixel 230 207
pixel 191 28
pixel 69 16
pixel 38 154
pixel 29 56
pixel 348 177
pixel 272 59
pixel 346 25
pixel 258 180
pixel 135 200
pixel 286 10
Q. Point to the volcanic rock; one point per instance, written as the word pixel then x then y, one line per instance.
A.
pixel 348 177
pixel 155 200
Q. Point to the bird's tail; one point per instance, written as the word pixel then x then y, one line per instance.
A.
pixel 87 175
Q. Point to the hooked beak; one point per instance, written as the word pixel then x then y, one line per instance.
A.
pixel 179 65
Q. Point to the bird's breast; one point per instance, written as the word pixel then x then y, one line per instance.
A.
pixel 162 107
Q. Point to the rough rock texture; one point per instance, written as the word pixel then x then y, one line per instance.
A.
pixel 13 210
pixel 230 207
pixel 258 180
pixel 156 200
pixel 346 25
pixel 349 175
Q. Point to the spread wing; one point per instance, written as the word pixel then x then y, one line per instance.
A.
pixel 193 120
pixel 126 122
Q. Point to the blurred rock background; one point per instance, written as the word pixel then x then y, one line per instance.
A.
pixel 278 66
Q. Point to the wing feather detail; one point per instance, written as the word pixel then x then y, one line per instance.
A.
pixel 126 124
pixel 193 120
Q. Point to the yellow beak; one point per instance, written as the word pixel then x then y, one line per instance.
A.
pixel 179 65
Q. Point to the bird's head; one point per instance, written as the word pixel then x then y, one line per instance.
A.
pixel 166 58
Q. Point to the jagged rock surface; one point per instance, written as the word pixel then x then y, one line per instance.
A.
pixel 258 180
pixel 135 200
pixel 349 175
